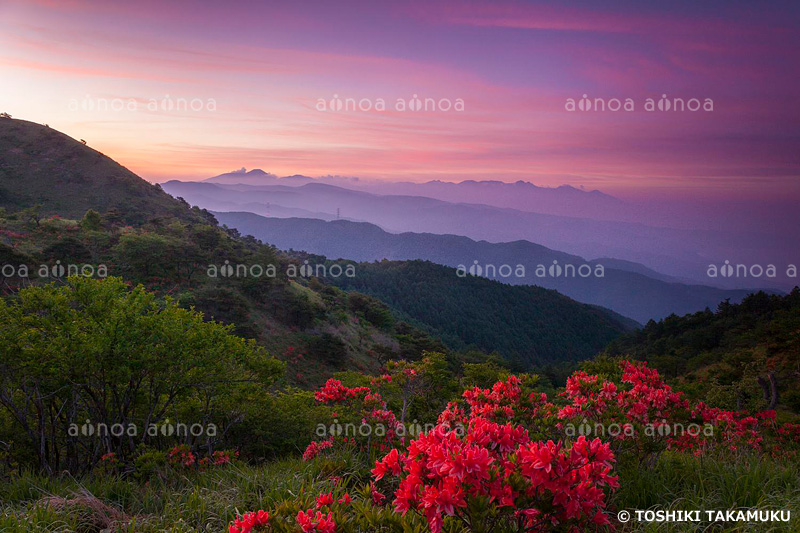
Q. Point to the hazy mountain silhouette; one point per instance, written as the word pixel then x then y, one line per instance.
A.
pixel 679 237
pixel 522 195
pixel 258 177
pixel 627 288
pixel 675 252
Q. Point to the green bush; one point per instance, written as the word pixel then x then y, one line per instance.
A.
pixel 278 424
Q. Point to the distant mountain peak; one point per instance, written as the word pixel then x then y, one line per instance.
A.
pixel 521 184
pixel 252 177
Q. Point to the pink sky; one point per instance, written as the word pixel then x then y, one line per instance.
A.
pixel 265 65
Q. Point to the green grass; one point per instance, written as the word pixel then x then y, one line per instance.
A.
pixel 198 502
pixel 684 482
pixel 207 502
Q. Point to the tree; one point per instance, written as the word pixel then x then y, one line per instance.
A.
pixel 150 254
pixel 92 220
pixel 100 352
pixel 68 250
pixel 769 386
pixel 372 309
pixel 32 214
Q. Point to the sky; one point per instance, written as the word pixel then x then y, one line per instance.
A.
pixel 194 89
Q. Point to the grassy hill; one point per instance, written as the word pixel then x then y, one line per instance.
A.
pixel 138 232
pixel 40 165
pixel 317 328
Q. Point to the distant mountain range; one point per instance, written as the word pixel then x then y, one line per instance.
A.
pixel 627 288
pixel 679 237
pixel 679 254
pixel 258 177
pixel 521 195
pixel 671 251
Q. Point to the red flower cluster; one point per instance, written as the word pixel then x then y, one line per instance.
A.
pixel 539 483
pixel 358 403
pixel 12 234
pixel 110 458
pixel 255 521
pixel 647 400
pixel 324 500
pixel 219 458
pixel 384 378
pixel 788 436
pixel 309 522
pixel 316 447
pixel 733 429
pixel 387 419
pixel 181 456
pixel 503 456
pixel 335 392
pixel 504 402
pixel 498 402
pixel 572 480
pixel 377 498
pixel 634 414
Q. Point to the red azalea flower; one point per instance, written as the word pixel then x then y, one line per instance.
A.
pixel 255 521
pixel 310 522
pixel 324 500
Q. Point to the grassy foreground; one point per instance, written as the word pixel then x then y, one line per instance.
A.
pixel 209 501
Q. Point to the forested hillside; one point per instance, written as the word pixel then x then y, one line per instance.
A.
pixel 738 355
pixel 475 311
pixel 289 314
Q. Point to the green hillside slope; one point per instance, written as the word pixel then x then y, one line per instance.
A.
pixel 39 165
pixel 526 324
